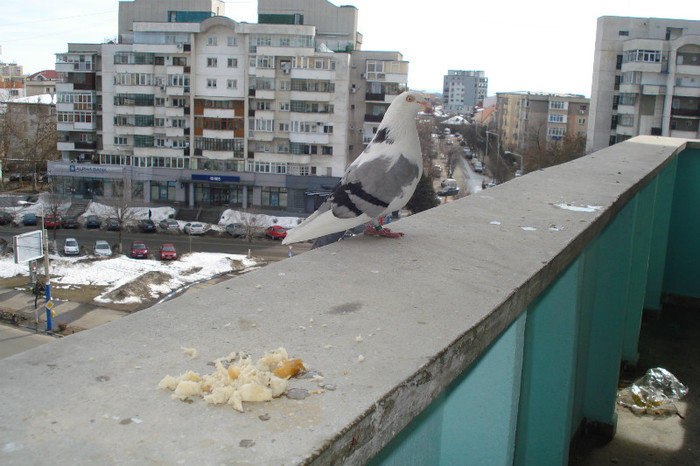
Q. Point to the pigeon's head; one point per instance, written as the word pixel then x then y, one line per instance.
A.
pixel 408 104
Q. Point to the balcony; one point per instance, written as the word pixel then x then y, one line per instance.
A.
pixel 374 118
pixel 496 358
pixel 686 112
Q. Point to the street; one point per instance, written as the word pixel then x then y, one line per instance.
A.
pixel 268 249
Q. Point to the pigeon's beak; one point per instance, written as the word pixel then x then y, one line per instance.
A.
pixel 427 108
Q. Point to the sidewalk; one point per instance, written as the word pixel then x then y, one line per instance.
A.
pixel 75 316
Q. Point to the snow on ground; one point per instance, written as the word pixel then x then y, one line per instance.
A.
pixel 118 271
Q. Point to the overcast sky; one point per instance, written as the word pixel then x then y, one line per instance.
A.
pixel 537 46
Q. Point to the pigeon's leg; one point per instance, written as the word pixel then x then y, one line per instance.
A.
pixel 381 231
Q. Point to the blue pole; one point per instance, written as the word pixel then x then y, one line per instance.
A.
pixel 49 320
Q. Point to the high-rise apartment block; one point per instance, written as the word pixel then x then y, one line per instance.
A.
pixel 463 90
pixel 525 118
pixel 646 80
pixel 193 107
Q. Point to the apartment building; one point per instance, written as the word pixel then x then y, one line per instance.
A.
pixel 42 82
pixel 527 118
pixel 192 107
pixel 463 90
pixel 646 80
pixel 11 81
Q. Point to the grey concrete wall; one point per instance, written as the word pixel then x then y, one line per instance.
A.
pixel 424 306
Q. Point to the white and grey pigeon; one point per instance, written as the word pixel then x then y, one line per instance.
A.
pixel 380 181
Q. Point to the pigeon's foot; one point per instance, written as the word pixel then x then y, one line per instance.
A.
pixel 380 231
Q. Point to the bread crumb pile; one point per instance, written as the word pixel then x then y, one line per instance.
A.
pixel 238 381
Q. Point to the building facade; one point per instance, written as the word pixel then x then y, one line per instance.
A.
pixel 646 80
pixel 195 108
pixel 11 81
pixel 527 118
pixel 43 82
pixel 464 90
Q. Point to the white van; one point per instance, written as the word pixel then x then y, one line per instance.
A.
pixel 451 182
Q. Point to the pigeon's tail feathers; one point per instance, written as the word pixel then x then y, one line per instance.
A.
pixel 321 224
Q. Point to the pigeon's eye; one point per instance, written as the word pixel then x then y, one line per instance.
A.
pixel 410 98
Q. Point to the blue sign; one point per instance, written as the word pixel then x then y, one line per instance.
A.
pixel 216 178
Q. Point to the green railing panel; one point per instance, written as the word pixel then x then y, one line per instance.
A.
pixel 682 277
pixel 659 238
pixel 548 381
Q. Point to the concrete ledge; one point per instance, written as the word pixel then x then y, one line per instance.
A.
pixel 425 306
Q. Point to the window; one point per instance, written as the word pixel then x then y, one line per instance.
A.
pixel 211 62
pixel 558 105
pixel 232 83
pixel 120 141
pixel 284 106
pixel 274 197
pixel 261 125
pixel 232 62
pixel 285 85
pixel 211 40
pixel 211 83
pixel 623 33
pixel 625 120
pixel 556 118
pixel 328 129
pixel 284 127
pixel 555 133
pixel 232 41
pixel 327 150
pixel 159 122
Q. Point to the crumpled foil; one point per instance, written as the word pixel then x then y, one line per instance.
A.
pixel 654 393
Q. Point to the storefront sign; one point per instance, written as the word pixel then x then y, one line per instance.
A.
pixel 216 178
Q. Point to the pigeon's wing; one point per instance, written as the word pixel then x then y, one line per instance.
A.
pixel 370 186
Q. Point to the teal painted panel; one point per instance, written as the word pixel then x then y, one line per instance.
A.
pixel 607 316
pixel 682 276
pixel 548 381
pixel 480 412
pixel 419 442
pixel 639 266
pixel 659 238
pixel 474 420
pixel 588 266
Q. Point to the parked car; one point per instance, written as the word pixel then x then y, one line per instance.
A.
pixel 167 252
pixel 139 250
pixel 478 167
pixel 6 218
pixel 448 182
pixel 236 230
pixel 147 226
pixel 28 177
pixel 195 228
pixel 15 177
pixel 276 232
pixel 448 191
pixel 169 224
pixel 112 224
pixel 52 221
pixel 71 247
pixel 101 248
pixel 518 173
pixel 29 219
pixel 69 222
pixel 92 221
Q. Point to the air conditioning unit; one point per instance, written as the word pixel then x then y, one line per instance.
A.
pixel 179 46
pixel 162 88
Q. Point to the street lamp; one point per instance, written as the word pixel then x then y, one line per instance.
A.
pixel 49 320
pixel 522 165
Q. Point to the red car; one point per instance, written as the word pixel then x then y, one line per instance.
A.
pixel 167 252
pixel 52 221
pixel 139 250
pixel 276 232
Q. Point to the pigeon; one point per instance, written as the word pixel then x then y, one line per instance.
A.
pixel 380 181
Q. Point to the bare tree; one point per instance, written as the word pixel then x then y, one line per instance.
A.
pixel 253 223
pixel 54 202
pixel 121 206
pixel 33 136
